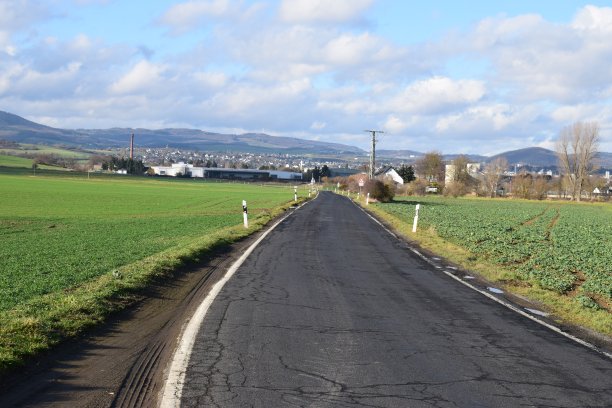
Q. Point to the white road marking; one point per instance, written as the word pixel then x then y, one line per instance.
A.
pixel 173 388
pixel 538 312
pixel 499 300
pixel 494 290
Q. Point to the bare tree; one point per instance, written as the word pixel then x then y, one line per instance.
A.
pixel 461 169
pixel 431 167
pixel 459 181
pixel 540 187
pixel 492 174
pixel 522 185
pixel 576 150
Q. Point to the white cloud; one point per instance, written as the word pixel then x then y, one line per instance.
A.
pixel 594 19
pixel 394 124
pixel 301 71
pixel 143 76
pixel 587 112
pixel 318 125
pixel 186 16
pixel 317 11
pixel 350 49
pixel 29 84
pixel 539 60
pixel 10 50
pixel 251 100
pixel 8 73
pixel 18 16
pixel 211 79
pixel 437 94
pixel 485 118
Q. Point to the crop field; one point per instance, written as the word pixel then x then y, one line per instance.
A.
pixel 563 247
pixel 59 232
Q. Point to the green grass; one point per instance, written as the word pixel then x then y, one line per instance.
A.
pixel 62 239
pixel 43 149
pixel 22 162
pixel 557 253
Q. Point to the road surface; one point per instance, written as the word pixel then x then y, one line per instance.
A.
pixel 332 311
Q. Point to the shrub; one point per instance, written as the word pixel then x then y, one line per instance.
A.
pixel 380 191
pixel 455 189
pixel 416 187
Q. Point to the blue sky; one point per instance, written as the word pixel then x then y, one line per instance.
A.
pixel 469 77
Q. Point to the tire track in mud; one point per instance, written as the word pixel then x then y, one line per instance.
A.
pixel 121 363
pixel 140 385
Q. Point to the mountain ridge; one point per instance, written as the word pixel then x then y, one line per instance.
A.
pixel 529 156
pixel 19 129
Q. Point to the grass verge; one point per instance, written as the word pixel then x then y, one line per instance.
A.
pixel 42 322
pixel 564 308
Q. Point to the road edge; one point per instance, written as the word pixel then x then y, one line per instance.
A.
pixel 504 302
pixel 171 393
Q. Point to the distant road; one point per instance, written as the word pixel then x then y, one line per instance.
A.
pixel 332 311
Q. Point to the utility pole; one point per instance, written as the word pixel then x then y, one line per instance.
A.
pixel 373 152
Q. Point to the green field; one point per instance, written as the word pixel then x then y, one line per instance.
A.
pixel 561 247
pixel 57 233
pixel 25 148
pixel 69 246
pixel 22 162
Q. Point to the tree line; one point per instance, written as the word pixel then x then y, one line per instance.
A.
pixel 131 166
pixel 576 151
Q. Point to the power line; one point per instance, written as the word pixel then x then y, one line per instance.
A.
pixel 373 152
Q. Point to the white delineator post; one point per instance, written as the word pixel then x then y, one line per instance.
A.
pixel 294 193
pixel 245 214
pixel 416 218
pixel 368 199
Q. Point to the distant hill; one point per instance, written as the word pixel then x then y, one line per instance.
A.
pixel 412 156
pixel 18 129
pixel 540 157
pixel 605 160
pixel 398 154
pixel 532 156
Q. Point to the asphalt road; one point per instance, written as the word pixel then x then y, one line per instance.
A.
pixel 332 311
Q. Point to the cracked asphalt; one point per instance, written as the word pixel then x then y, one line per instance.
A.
pixel 332 311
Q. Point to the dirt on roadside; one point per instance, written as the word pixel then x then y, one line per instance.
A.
pixel 121 363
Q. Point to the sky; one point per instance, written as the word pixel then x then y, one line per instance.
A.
pixel 477 77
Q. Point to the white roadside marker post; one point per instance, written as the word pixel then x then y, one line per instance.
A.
pixel 368 199
pixel 245 214
pixel 416 218
pixel 294 193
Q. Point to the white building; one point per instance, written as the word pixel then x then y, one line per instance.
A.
pixel 449 171
pixel 222 173
pixel 391 173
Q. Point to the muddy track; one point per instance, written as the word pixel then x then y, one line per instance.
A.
pixel 121 363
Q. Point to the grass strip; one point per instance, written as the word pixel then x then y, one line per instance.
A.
pixel 564 308
pixel 42 322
